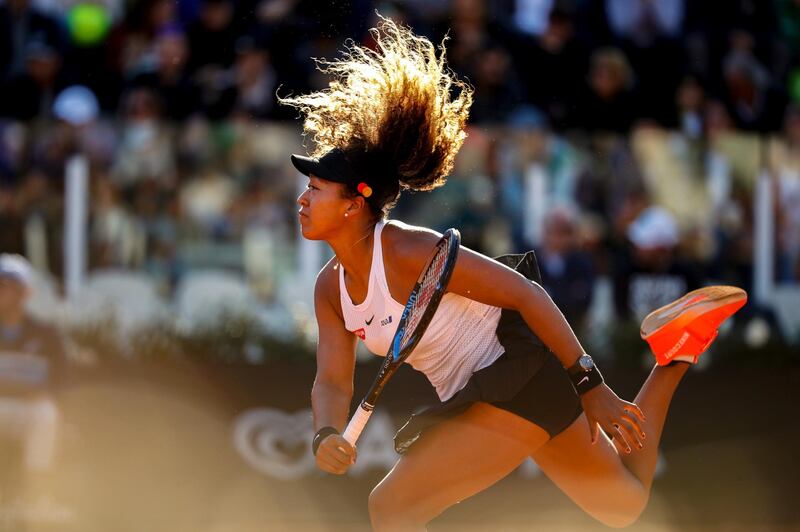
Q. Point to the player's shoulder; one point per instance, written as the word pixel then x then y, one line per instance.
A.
pixel 403 241
pixel 328 278
pixel 326 290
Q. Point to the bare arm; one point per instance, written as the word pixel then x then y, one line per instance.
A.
pixel 333 384
pixel 482 279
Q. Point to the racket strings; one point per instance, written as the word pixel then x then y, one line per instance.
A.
pixel 427 289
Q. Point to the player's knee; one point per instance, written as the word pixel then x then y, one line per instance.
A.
pixel 623 515
pixel 616 520
pixel 386 510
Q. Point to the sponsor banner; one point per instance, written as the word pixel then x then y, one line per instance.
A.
pixel 278 444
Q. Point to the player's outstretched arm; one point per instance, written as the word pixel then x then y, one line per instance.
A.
pixel 482 279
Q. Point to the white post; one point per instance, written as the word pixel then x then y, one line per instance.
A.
pixel 535 191
pixel 718 181
pixel 764 239
pixel 75 223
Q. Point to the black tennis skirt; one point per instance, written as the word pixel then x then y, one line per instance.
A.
pixel 527 380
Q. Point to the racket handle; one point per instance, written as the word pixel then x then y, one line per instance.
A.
pixel 356 425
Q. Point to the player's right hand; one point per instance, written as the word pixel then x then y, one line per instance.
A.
pixel 335 455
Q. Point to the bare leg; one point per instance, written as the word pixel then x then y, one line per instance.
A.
pixel 452 461
pixel 464 455
pixel 611 485
pixel 654 399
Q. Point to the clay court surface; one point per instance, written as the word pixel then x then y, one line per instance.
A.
pixel 146 454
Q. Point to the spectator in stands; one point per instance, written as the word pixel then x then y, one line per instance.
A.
pixel 717 122
pixel 529 151
pixel 295 29
pixel 471 31
pixel 12 150
pixel 255 81
pixel 649 33
pixel 169 76
pixel 41 206
pixel 567 272
pixel 754 102
pixel 788 12
pixel 20 25
pixel 156 214
pixel 75 130
pixel 497 90
pixel 130 44
pixel 207 202
pixel 644 22
pixel 116 238
pixel 12 220
pixel 520 150
pixel 557 52
pixel 614 176
pixel 785 165
pixel 146 149
pixel 648 272
pixel 732 262
pixel 690 104
pixel 78 110
pixel 32 362
pixel 212 38
pixel 609 103
pixel 532 16
pixel 28 95
pixel 752 16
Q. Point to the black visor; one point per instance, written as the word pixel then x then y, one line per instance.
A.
pixel 333 166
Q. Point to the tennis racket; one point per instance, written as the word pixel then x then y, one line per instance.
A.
pixel 417 314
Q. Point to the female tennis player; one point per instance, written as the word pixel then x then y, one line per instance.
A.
pixel 512 377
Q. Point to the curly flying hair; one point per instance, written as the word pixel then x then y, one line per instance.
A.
pixel 398 105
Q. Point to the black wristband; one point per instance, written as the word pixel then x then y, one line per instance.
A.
pixel 321 434
pixel 584 380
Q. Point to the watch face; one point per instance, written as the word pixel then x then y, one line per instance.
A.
pixel 586 362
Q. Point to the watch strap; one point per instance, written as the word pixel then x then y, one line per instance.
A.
pixel 584 380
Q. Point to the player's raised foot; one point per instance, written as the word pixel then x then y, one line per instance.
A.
pixel 683 329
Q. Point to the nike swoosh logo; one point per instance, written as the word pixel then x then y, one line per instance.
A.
pixel 583 379
pixel 369 321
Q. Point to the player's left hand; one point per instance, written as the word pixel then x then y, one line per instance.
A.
pixel 620 419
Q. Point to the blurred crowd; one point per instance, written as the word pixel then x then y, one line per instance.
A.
pixel 623 139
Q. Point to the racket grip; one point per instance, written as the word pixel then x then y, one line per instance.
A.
pixel 356 425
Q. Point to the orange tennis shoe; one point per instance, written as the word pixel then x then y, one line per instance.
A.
pixel 684 329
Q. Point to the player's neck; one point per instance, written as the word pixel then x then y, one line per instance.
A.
pixel 353 249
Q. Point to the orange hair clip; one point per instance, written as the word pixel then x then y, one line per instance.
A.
pixel 364 189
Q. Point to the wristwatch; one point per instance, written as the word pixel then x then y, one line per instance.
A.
pixel 584 374
pixel 584 362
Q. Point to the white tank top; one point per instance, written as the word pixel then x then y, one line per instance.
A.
pixel 460 339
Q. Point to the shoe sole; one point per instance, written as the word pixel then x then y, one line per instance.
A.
pixel 696 303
